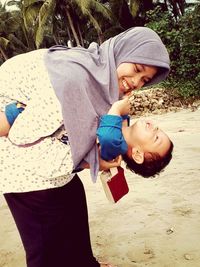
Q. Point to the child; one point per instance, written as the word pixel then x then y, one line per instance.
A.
pixel 144 147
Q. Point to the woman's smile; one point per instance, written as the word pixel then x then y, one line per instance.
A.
pixel 133 76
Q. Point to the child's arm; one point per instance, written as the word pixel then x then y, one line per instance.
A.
pixel 109 133
pixel 121 108
pixel 110 136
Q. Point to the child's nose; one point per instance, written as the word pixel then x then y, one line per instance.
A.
pixel 150 125
pixel 155 128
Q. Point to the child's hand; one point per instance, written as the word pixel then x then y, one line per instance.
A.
pixel 120 107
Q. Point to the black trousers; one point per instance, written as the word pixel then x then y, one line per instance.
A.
pixel 53 225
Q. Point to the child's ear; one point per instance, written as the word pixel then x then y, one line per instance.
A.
pixel 137 155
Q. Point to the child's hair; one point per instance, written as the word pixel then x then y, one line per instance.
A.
pixel 152 165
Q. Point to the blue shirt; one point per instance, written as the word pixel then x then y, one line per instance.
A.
pixel 110 136
pixel 11 112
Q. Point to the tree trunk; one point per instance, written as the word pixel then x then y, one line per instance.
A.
pixel 55 40
pixel 166 5
pixel 80 34
pixel 148 5
pixel 181 4
pixel 72 27
pixel 175 9
pixel 3 54
pixel 69 42
pixel 100 37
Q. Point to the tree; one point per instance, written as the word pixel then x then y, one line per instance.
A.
pixel 3 41
pixel 182 38
pixel 40 18
pixel 82 16
pixel 12 38
pixel 176 6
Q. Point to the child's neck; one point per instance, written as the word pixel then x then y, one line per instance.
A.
pixel 127 134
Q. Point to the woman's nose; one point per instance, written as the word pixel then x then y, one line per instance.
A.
pixel 137 82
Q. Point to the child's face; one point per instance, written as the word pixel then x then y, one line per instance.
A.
pixel 149 138
pixel 133 76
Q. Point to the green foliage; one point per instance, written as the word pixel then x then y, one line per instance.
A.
pixel 182 38
pixel 12 37
pixel 42 23
pixel 43 17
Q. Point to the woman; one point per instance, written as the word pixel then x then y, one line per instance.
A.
pixel 46 198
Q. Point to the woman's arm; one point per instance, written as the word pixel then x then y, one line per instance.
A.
pixel 4 125
pixel 103 164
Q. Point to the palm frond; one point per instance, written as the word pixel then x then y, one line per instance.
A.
pixel 134 7
pixel 95 23
pixel 30 15
pixel 87 6
pixel 4 42
pixel 45 12
pixel 27 3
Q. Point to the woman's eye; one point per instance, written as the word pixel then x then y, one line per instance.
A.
pixel 145 80
pixel 139 68
pixel 136 70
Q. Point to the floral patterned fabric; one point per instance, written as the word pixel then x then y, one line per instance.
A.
pixel 32 157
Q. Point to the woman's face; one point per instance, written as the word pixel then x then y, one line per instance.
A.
pixel 133 76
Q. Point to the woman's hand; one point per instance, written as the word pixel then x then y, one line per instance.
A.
pixel 105 165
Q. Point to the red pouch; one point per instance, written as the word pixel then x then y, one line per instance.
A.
pixel 114 184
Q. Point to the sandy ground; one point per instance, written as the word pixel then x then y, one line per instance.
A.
pixel 156 225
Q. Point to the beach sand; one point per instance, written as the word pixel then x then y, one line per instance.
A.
pixel 157 224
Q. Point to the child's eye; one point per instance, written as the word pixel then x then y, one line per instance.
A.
pixel 156 138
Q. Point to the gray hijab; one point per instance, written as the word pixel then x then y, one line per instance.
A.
pixel 85 82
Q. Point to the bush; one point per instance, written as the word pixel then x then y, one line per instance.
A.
pixel 182 39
